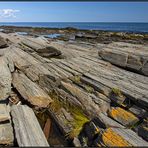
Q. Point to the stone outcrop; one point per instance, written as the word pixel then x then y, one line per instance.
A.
pixel 129 56
pixel 93 102
pixel 41 47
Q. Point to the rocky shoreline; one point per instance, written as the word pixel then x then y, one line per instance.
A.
pixel 83 88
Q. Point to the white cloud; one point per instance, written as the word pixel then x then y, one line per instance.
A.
pixel 8 13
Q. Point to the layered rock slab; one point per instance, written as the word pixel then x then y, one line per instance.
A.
pixel 122 137
pixel 134 57
pixel 27 129
pixel 5 79
pixel 30 91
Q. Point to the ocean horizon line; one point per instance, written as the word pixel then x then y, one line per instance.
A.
pixel 73 22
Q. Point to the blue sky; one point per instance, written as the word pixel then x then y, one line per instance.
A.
pixel 73 11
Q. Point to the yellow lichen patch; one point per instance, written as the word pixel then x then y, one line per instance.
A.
pixel 123 116
pixel 110 138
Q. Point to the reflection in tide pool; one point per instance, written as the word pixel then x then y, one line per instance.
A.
pixel 54 35
pixel 1 30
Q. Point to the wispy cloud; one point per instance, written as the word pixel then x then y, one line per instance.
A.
pixel 8 13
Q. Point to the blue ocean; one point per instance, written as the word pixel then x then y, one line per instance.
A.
pixel 124 27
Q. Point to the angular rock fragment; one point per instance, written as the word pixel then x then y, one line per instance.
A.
pixel 30 91
pixel 117 58
pixel 6 134
pixel 121 137
pixel 5 79
pixel 134 62
pixel 41 47
pixel 142 129
pixel 117 97
pixel 122 116
pixel 27 129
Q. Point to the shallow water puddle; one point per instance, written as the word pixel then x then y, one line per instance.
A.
pixel 54 35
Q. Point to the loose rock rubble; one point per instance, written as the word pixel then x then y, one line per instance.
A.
pixel 93 102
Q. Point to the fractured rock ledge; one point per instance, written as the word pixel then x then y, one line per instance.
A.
pixel 89 101
pixel 126 55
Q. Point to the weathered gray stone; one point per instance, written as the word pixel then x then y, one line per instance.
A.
pixel 117 58
pixel 5 79
pixel 6 134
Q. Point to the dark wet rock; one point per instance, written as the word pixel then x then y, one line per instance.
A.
pixel 3 43
pixel 139 112
pixel 40 45
pixel 49 52
pixel 142 129
pixel 91 131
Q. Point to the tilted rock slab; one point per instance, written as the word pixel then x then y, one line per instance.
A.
pixel 30 91
pixel 27 129
pixel 41 47
pixel 124 117
pixel 5 79
pixel 121 137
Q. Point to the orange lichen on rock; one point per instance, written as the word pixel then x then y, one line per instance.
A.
pixel 124 117
pixel 110 138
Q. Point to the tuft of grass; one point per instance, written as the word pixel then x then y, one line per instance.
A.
pixel 56 105
pixel 77 79
pixel 89 89
pixel 117 91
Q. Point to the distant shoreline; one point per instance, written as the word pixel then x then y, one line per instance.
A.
pixel 84 35
pixel 141 28
pixel 69 28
